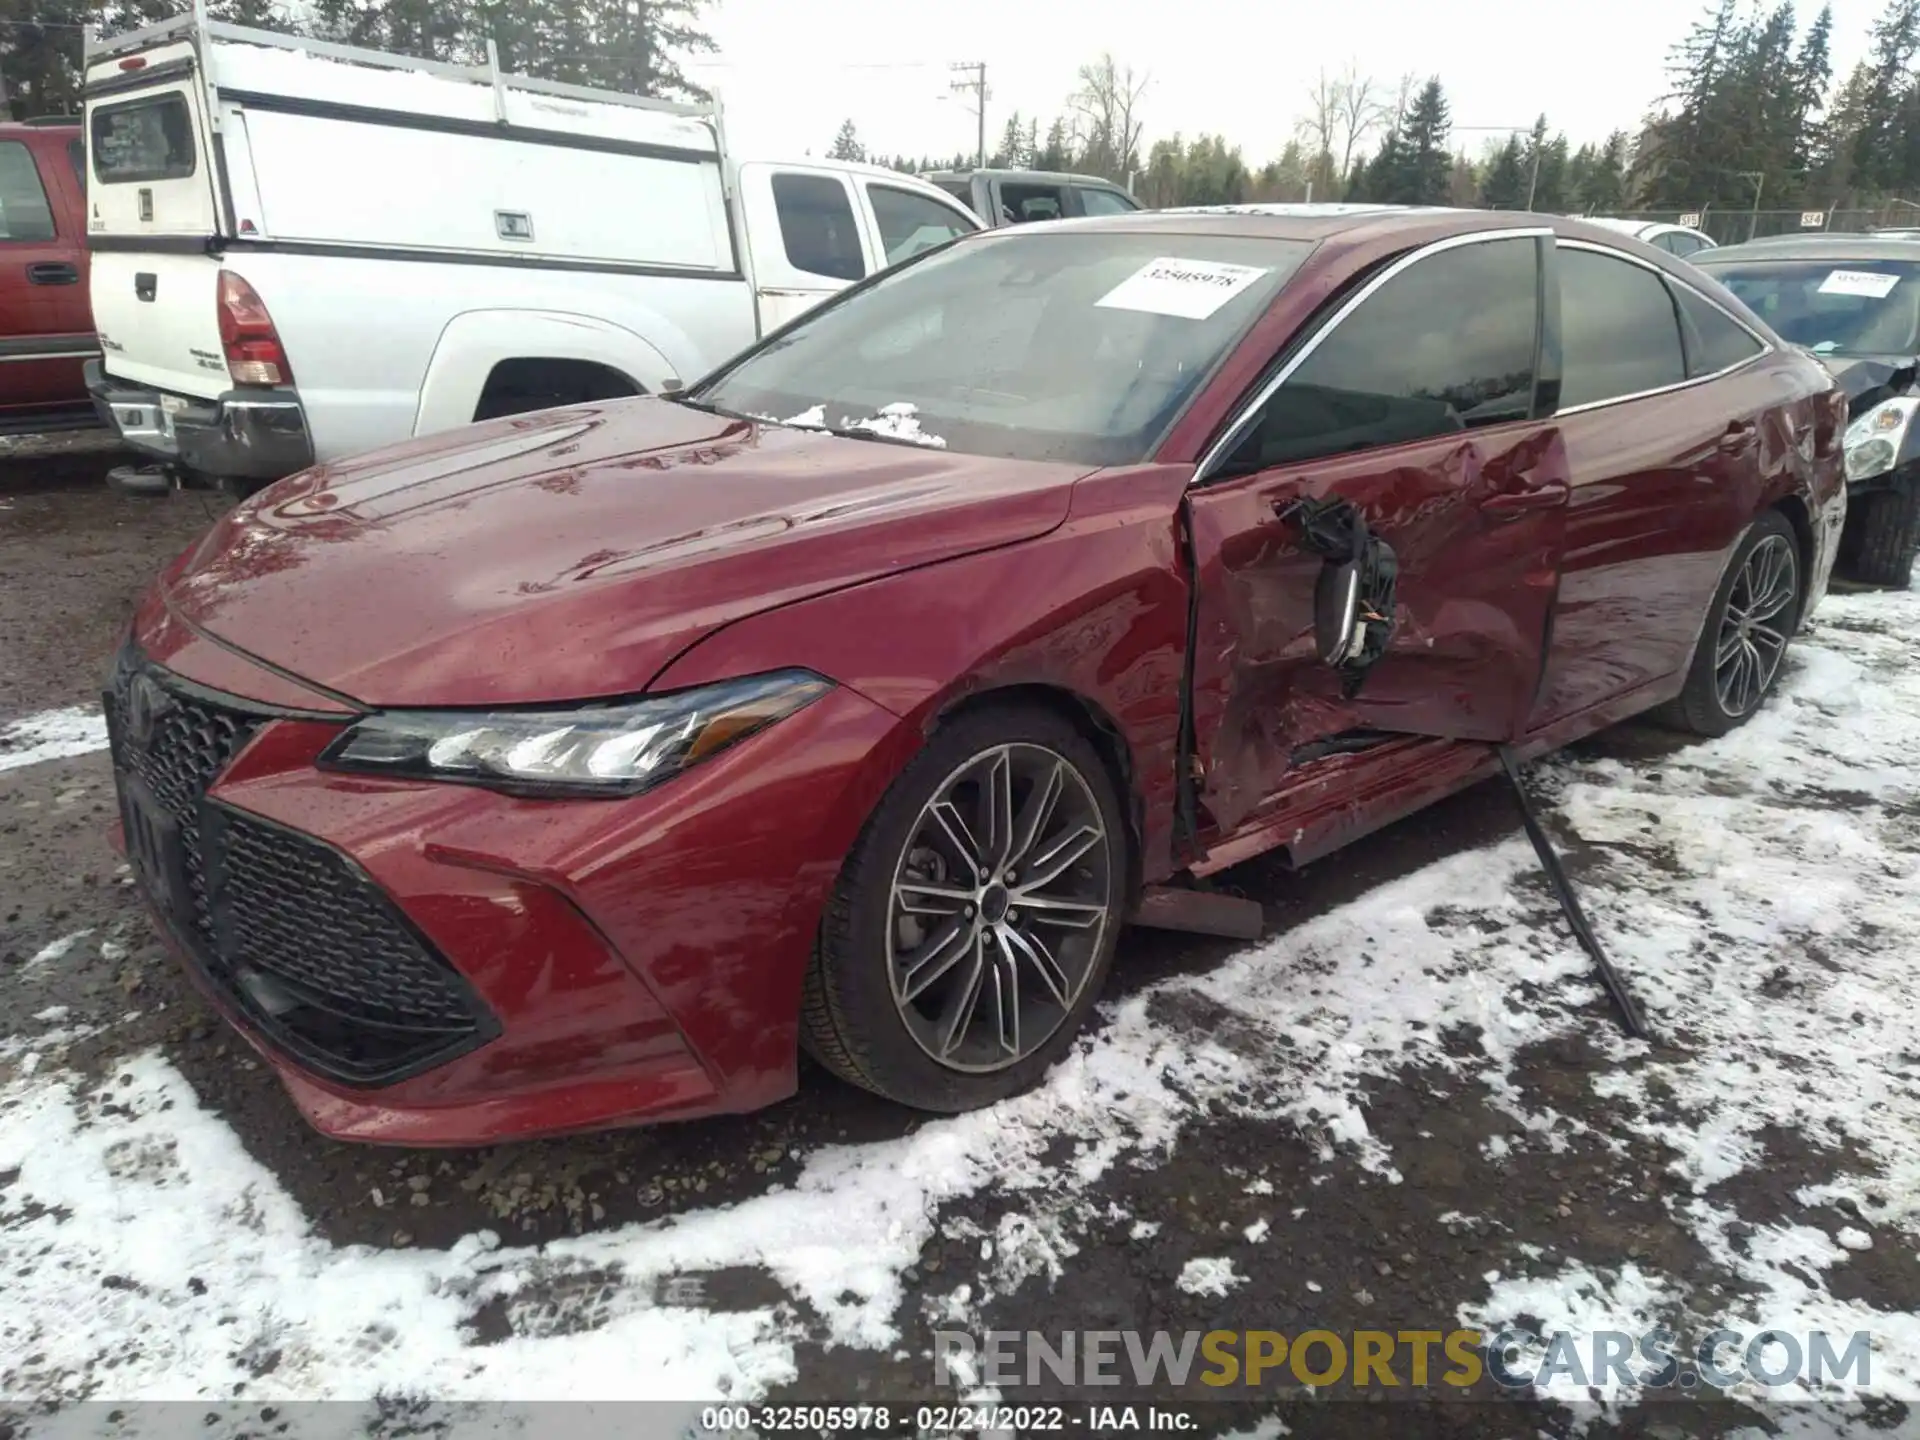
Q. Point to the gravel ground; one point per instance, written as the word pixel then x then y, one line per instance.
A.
pixel 1408 1109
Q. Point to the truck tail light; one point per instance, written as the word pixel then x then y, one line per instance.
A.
pixel 254 353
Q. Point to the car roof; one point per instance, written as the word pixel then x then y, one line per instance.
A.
pixel 1644 229
pixel 1068 176
pixel 1815 247
pixel 1625 227
pixel 40 125
pixel 1337 223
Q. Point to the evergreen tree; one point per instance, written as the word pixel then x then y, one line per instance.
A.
pixel 1601 187
pixel 1425 159
pixel 846 143
pixel 1878 147
pixel 1057 153
pixel 1546 161
pixel 1013 153
pixel 1504 185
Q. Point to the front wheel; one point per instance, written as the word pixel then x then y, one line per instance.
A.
pixel 1744 642
pixel 974 923
pixel 1882 532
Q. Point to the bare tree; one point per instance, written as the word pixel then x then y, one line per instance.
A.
pixel 1409 84
pixel 1360 110
pixel 1318 128
pixel 1343 110
pixel 1107 105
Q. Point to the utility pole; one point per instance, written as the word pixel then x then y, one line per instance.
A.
pixel 1759 178
pixel 978 85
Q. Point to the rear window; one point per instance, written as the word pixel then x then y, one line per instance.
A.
pixel 1062 346
pixel 24 212
pixel 1833 307
pixel 143 140
pixel 817 226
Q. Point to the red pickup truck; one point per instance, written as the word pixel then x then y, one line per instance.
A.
pixel 46 328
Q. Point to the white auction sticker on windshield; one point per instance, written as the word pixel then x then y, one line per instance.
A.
pixel 1191 289
pixel 1871 284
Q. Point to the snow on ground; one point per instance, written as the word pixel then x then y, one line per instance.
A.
pixel 52 735
pixel 1762 893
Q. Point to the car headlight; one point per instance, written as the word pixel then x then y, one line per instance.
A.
pixel 613 749
pixel 1873 441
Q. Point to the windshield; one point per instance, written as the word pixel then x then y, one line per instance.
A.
pixel 1833 307
pixel 1063 346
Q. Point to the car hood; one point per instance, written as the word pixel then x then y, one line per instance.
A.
pixel 1869 379
pixel 572 554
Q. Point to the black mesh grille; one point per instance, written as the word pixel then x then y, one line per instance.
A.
pixel 308 917
pixel 290 931
pixel 189 745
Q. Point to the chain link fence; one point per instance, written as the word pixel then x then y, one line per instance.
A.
pixel 1729 227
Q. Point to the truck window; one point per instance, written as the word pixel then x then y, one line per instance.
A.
pixel 961 190
pixel 910 223
pixel 817 226
pixel 1022 203
pixel 1095 201
pixel 142 140
pixel 24 211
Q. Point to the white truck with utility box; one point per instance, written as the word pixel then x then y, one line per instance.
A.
pixel 302 250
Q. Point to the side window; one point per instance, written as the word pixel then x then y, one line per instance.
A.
pixel 1020 204
pixel 24 211
pixel 1714 341
pixel 910 223
pixel 1668 242
pixel 961 190
pixel 1618 331
pixel 1687 244
pixel 1446 345
pixel 77 157
pixel 1103 202
pixel 817 226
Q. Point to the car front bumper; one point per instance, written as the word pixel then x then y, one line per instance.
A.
pixel 439 964
pixel 254 435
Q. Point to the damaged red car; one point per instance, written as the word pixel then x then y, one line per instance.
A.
pixel 581 768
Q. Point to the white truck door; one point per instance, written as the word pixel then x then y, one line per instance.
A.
pixel 808 241
pixel 905 219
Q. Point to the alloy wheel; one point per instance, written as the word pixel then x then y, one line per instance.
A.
pixel 1754 628
pixel 999 906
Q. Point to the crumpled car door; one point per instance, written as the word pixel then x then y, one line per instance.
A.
pixel 1475 522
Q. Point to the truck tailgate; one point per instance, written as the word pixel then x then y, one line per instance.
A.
pixel 152 207
pixel 158 319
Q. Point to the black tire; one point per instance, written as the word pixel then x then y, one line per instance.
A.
pixel 1882 532
pixel 1698 707
pixel 850 1021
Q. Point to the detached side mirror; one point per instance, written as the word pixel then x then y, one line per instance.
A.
pixel 1336 612
pixel 1353 598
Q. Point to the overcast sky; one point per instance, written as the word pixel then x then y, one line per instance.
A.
pixel 790 70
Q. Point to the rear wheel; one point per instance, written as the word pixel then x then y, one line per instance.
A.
pixel 974 923
pixel 1883 530
pixel 1744 642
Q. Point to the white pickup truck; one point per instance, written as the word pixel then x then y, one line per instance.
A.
pixel 302 250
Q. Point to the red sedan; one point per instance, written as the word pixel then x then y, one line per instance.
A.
pixel 577 769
